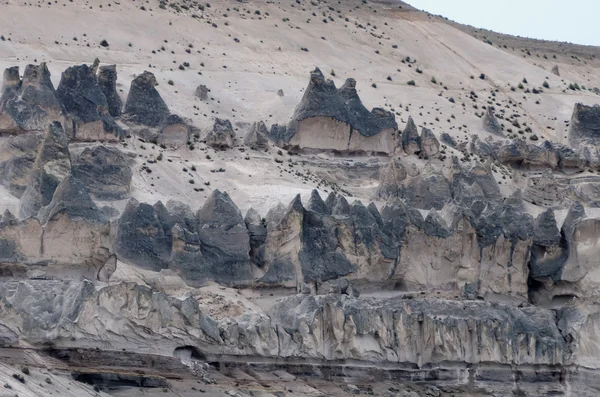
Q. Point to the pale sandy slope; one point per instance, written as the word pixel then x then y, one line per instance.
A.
pixel 268 57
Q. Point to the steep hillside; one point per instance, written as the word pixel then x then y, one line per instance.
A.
pixel 307 198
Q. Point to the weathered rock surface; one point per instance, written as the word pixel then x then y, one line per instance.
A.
pixel 391 181
pixel 219 250
pixel 17 156
pixel 107 80
pixel 430 146
pixel 52 165
pixel 202 92
pixel 257 137
pixel 221 136
pixel 585 125
pixel 83 98
pixel 104 170
pixel 144 105
pixel 31 103
pixel 141 238
pixel 490 122
pixel 332 119
pixel 410 139
pixel 175 133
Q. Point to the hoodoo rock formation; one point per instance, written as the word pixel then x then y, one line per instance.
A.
pixel 334 119
pixel 182 245
pixel 29 103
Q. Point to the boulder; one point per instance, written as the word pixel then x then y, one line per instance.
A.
pixel 85 102
pixel 175 133
pixel 107 81
pixel 330 119
pixel 257 136
pixel 52 165
pixel 144 105
pixel 430 146
pixel 202 92
pixel 104 170
pixel 221 136
pixel 490 123
pixel 410 139
pixel 447 139
pixel 31 103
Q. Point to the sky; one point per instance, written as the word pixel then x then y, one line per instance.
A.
pixel 574 21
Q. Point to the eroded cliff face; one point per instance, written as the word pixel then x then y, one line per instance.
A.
pixel 474 258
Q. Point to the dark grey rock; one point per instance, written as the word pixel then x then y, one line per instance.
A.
pixel 144 105
pixel 30 104
pixel 71 198
pixel 107 81
pixel 316 204
pixel 52 164
pixel 447 139
pixel 222 135
pixel 549 251
pixel 141 239
pixel 85 102
pixel 17 156
pixel 585 125
pixel 220 250
pixel 391 181
pixel 320 260
pixel 430 189
pixel 202 92
pixel 323 99
pixel 257 229
pixel 430 146
pixel 490 123
pixel 257 136
pixel 280 135
pixel 410 139
pixel 105 172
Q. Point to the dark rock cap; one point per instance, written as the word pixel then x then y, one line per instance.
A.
pixel 144 104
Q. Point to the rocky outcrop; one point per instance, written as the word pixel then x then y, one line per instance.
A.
pixel 104 170
pixel 31 103
pixel 585 125
pixel 257 137
pixel 490 123
pixel 107 81
pixel 76 232
pixel 82 97
pixel 140 238
pixel 430 146
pixel 221 136
pixel 17 156
pixel 410 139
pixel 144 105
pixel 219 250
pixel 52 165
pixel 332 119
pixel 391 181
pixel 175 133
